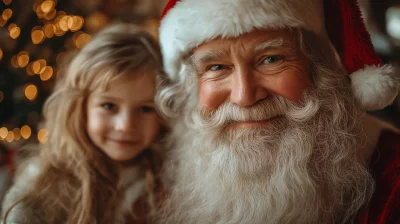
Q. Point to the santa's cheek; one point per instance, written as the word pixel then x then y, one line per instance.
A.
pixel 212 94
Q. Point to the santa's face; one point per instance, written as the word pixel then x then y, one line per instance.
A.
pixel 250 68
pixel 264 143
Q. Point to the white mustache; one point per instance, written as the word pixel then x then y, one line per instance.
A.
pixel 262 110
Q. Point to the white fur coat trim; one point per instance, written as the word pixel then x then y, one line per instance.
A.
pixel 375 87
pixel 192 22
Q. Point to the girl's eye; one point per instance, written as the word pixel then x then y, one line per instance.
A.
pixel 216 67
pixel 146 109
pixel 272 59
pixel 108 106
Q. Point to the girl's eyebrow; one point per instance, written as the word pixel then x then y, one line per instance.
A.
pixel 103 96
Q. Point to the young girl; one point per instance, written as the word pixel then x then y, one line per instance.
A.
pixel 98 165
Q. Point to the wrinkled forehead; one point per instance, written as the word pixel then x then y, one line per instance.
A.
pixel 272 38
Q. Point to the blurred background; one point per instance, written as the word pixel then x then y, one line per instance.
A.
pixel 35 34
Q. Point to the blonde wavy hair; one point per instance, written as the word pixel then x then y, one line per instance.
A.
pixel 77 182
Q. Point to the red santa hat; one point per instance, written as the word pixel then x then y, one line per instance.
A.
pixel 186 24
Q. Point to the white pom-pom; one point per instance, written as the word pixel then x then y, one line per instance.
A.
pixel 375 87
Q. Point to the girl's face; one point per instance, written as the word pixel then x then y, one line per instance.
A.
pixel 122 120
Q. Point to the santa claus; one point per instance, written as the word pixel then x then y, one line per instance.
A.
pixel 267 101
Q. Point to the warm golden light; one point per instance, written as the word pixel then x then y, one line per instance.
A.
pixel 12 25
pixel 14 61
pixel 29 69
pixel 2 21
pixel 31 92
pixel 15 32
pixel 36 67
pixel 46 73
pixel 36 4
pixel 75 23
pixel 40 14
pixel 26 132
pixel 1 96
pixel 7 2
pixel 37 36
pixel 82 39
pixel 10 136
pixel 47 6
pixel 17 134
pixel 63 23
pixel 58 30
pixel 50 15
pixel 3 132
pixel 42 63
pixel 96 21
pixel 7 13
pixel 1 54
pixel 42 135
pixel 49 30
pixel 23 59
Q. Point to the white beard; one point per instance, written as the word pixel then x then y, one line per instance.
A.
pixel 301 168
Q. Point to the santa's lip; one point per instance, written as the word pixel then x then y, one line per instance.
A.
pixel 255 123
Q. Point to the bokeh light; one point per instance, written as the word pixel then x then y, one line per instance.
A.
pixel 23 59
pixel 42 135
pixel 14 30
pixel 31 92
pixel 26 132
pixel 37 36
pixel 17 134
pixel 49 30
pixel 3 132
pixel 7 13
pixel 47 6
pixel 46 73
pixel 7 2
pixel 14 61
pixel 10 136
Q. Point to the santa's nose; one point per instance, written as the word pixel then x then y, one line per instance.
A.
pixel 245 89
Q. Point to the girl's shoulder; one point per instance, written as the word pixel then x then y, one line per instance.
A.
pixel 22 212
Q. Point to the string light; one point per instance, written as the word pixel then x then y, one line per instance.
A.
pixel 37 36
pixel 31 92
pixel 14 30
pixel 49 30
pixel 7 13
pixel 29 69
pixel 14 61
pixel 7 2
pixel 42 135
pixel 23 58
pixel 46 73
pixel 47 6
pixel 50 15
pixel 3 132
pixel 75 23
pixel 10 136
pixel 82 39
pixel 17 134
pixel 26 131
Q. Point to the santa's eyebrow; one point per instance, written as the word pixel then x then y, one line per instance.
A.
pixel 204 58
pixel 274 43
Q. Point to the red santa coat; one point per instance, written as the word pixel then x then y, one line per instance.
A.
pixel 384 207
